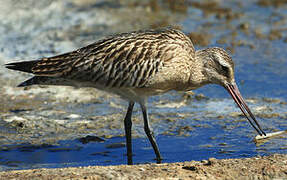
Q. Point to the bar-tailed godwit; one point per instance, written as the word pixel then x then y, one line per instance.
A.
pixel 137 65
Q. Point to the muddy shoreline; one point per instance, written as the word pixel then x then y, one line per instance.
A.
pixel 267 167
pixel 34 118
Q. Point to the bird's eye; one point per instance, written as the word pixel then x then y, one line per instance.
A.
pixel 225 71
pixel 221 66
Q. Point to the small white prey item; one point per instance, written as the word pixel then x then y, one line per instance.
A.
pixel 269 135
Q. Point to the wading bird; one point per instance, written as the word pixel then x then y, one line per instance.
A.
pixel 137 65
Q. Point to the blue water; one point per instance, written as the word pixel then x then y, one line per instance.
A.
pixel 173 149
pixel 201 143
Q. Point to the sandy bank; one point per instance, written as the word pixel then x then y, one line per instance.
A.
pixel 268 167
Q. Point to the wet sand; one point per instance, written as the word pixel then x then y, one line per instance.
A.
pixel 42 115
pixel 268 167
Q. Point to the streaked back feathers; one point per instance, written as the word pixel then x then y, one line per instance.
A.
pixel 124 60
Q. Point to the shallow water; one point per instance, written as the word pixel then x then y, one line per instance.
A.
pixel 111 152
pixel 195 131
pixel 40 127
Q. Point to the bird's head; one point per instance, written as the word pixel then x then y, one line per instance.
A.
pixel 218 68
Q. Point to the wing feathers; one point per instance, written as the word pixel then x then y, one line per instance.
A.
pixel 128 59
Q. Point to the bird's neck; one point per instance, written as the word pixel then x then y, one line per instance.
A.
pixel 197 76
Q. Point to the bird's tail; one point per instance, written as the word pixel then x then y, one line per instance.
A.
pixel 47 71
pixel 34 80
pixel 45 80
pixel 24 66
pixel 55 66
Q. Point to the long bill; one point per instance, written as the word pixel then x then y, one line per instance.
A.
pixel 234 92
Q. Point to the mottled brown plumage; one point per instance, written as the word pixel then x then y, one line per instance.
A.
pixel 137 65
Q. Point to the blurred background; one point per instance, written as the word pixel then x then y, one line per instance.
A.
pixel 43 126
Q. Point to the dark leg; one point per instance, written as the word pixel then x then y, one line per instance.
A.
pixel 128 131
pixel 149 134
